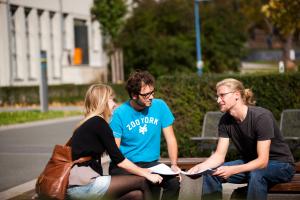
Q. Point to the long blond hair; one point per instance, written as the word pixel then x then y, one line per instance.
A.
pixel 96 102
pixel 235 85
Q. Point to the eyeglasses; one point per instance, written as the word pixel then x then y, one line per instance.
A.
pixel 222 95
pixel 147 95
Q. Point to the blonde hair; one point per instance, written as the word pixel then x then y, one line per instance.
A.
pixel 235 85
pixel 96 102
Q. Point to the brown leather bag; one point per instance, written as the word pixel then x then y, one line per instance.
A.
pixel 53 181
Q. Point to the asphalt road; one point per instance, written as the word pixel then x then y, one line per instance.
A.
pixel 25 149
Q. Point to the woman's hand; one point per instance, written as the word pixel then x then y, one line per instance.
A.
pixel 154 178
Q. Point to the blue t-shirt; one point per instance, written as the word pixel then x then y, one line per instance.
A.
pixel 140 132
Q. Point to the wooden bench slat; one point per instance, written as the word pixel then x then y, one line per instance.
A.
pixel 297 167
pixel 184 163
pixel 286 187
pixel 204 138
pixel 292 186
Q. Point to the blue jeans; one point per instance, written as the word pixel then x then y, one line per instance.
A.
pixel 258 180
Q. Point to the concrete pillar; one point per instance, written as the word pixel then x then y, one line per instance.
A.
pixel 57 46
pixel 21 50
pixel 96 42
pixel 5 68
pixel 34 46
pixel 69 40
pixel 45 41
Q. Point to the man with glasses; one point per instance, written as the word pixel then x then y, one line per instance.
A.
pixel 137 125
pixel 265 158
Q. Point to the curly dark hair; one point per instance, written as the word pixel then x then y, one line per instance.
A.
pixel 135 80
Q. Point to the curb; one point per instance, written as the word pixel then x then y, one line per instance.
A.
pixel 30 185
pixel 17 190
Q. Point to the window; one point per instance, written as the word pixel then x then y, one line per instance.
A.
pixel 81 52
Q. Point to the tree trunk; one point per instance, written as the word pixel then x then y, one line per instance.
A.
pixel 117 71
pixel 289 65
pixel 113 67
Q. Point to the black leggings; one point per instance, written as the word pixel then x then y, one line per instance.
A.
pixel 128 187
pixel 170 184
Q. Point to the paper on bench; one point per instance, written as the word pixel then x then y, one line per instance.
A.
pixel 198 174
pixel 166 170
pixel 162 169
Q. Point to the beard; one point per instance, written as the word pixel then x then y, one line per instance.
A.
pixel 143 103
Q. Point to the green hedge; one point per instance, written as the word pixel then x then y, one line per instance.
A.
pixel 189 98
pixel 65 94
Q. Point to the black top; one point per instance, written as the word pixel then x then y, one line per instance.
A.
pixel 93 138
pixel 258 125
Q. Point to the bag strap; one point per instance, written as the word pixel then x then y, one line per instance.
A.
pixel 82 159
pixel 69 142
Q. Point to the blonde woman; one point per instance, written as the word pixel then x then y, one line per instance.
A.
pixel 265 158
pixel 93 137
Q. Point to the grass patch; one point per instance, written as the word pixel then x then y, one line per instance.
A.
pixel 15 117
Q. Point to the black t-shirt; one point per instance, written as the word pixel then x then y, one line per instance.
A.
pixel 93 138
pixel 258 125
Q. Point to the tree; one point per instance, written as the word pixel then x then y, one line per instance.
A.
pixel 160 37
pixel 111 16
pixel 223 34
pixel 285 16
pixel 254 18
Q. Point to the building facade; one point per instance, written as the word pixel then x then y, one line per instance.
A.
pixel 61 33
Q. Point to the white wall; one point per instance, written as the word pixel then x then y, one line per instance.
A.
pixel 48 32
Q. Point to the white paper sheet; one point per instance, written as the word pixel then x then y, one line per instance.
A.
pixel 162 169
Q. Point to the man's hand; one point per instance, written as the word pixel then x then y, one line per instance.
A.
pixel 195 169
pixel 176 169
pixel 224 171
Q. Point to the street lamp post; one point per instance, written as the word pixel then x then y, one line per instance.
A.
pixel 198 40
pixel 44 83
